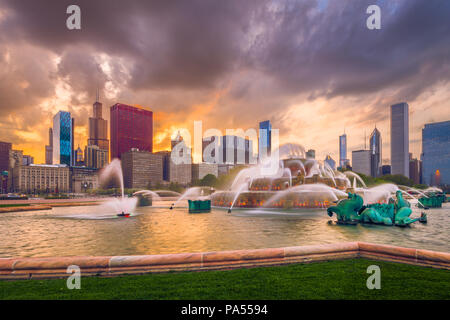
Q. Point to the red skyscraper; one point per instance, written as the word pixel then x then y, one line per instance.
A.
pixel 131 127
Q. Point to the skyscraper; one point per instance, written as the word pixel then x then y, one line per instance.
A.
pixel 375 153
pixel 265 139
pixel 62 138
pixel 236 150
pixel 329 160
pixel 436 153
pixel 400 139
pixel 343 151
pixel 98 128
pixel 131 127
pixel 361 161
pixel 5 148
pixel 49 148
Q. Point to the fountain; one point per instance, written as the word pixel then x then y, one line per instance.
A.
pixel 296 183
pixel 194 193
pixel 122 206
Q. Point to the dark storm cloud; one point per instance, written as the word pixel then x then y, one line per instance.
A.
pixel 183 43
pixel 265 53
pixel 194 44
pixel 332 53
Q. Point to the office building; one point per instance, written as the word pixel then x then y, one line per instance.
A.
pixel 5 148
pixel 62 138
pixel 385 169
pixel 236 150
pixel 361 161
pixel 329 160
pixel 142 169
pixel 94 157
pixel 400 139
pixel 180 162
pixel 27 160
pixel 98 128
pixel 265 139
pixel 42 178
pixel 210 145
pixel 131 127
pixel 166 164
pixel 343 161
pixel 436 153
pixel 83 179
pixel 49 148
pixel 375 153
pixel 79 159
pixel 200 170
pixel 414 170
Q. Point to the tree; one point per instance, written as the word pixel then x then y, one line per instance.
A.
pixel 209 180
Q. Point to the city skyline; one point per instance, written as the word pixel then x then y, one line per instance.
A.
pixel 310 94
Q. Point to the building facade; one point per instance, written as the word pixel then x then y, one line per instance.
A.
pixel 142 168
pixel 27 160
pixel 15 163
pixel 375 153
pixel 98 128
pixel 400 139
pixel 436 153
pixel 43 178
pixel 361 161
pixel 329 160
pixel 62 138
pixel 83 179
pixel 131 127
pixel 343 161
pixel 49 148
pixel 210 148
pixel 94 157
pixel 200 170
pixel 414 170
pixel 5 148
pixel 265 139
pixel 236 150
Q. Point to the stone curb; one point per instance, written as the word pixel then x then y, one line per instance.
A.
pixel 27 268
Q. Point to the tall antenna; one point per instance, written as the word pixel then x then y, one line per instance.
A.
pixel 97 96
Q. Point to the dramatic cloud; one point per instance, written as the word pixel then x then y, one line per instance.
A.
pixel 312 67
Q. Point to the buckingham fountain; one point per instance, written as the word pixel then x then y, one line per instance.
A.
pixel 290 181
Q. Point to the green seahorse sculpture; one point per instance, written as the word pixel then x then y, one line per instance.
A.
pixel 352 211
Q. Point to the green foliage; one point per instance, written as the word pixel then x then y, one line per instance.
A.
pixel 397 179
pixel 209 180
pixel 224 181
pixel 339 279
pixel 175 186
pixel 420 186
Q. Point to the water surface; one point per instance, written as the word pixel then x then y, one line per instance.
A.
pixel 92 230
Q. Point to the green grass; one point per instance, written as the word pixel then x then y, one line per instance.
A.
pixel 344 279
pixel 14 205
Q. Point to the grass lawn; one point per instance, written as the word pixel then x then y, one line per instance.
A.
pixel 344 279
pixel 14 205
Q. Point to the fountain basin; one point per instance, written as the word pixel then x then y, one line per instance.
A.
pixel 257 199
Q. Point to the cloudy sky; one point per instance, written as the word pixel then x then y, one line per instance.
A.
pixel 311 67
